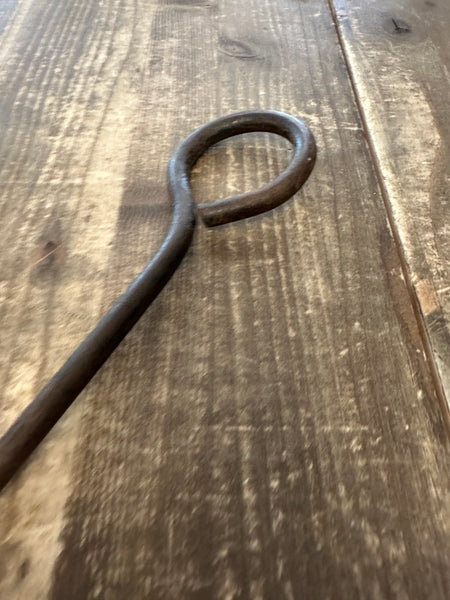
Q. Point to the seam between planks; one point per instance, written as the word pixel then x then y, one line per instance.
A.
pixel 427 347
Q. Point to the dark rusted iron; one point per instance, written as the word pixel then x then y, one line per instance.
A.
pixel 55 398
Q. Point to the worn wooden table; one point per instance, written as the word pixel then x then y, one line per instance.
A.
pixel 276 426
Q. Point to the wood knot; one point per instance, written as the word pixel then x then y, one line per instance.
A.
pixel 400 27
pixel 46 258
pixel 237 49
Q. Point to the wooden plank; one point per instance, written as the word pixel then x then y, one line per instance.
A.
pixel 270 428
pixel 399 57
pixel 66 125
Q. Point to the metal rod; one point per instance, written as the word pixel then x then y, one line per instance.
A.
pixel 54 399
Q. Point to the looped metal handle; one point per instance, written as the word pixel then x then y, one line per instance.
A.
pixel 267 197
pixel 55 398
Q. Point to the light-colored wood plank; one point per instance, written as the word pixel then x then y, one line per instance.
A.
pixel 66 117
pixel 399 57
pixel 270 428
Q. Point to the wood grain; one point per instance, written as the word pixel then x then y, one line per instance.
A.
pixel 270 428
pixel 399 58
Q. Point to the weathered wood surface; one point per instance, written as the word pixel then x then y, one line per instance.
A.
pixel 270 428
pixel 399 58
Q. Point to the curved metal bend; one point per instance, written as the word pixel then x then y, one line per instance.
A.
pixel 55 398
pixel 253 203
